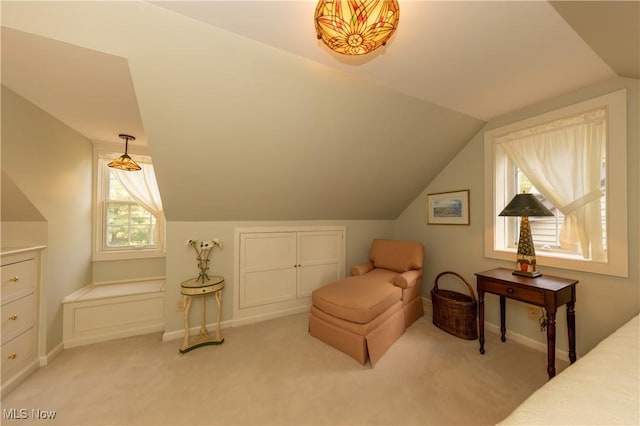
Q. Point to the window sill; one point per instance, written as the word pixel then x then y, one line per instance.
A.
pixel 106 256
pixel 569 262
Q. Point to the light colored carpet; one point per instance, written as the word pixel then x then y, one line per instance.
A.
pixel 275 373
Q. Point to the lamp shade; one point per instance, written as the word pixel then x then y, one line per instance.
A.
pixel 124 162
pixel 525 205
pixel 356 27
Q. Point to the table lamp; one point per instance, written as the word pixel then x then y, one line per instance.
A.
pixel 525 205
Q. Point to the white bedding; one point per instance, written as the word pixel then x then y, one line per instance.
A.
pixel 601 388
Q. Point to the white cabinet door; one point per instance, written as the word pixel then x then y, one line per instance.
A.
pixel 268 265
pixel 319 259
pixel 278 268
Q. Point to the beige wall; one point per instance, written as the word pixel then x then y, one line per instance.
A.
pixel 51 164
pixel 603 302
pixel 181 263
pixel 23 234
pixel 131 269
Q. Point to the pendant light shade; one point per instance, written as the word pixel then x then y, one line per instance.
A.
pixel 124 162
pixel 356 27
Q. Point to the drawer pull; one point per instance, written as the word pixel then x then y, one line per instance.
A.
pixel 13 356
pixel 13 317
pixel 510 290
pixel 14 279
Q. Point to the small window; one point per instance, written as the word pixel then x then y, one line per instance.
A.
pixel 127 224
pixel 124 228
pixel 574 161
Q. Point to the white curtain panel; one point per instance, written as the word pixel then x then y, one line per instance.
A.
pixel 143 188
pixel 563 159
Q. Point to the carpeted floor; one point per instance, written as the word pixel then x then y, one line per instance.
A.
pixel 275 373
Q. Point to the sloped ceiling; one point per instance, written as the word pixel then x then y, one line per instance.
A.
pixel 14 205
pixel 247 122
pixel 611 28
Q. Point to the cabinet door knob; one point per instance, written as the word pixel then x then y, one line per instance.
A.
pixel 510 290
pixel 13 317
pixel 13 356
pixel 14 279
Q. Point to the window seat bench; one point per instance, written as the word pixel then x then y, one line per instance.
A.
pixel 100 312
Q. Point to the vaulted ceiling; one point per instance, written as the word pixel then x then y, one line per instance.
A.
pixel 249 117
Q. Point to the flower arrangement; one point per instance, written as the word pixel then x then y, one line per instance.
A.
pixel 203 251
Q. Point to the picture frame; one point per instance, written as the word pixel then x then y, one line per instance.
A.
pixel 448 208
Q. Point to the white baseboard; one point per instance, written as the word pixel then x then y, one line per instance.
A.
pixel 236 322
pixel 10 384
pixel 520 338
pixel 47 358
pixel 527 341
pixel 179 334
pixel 428 306
pixel 270 315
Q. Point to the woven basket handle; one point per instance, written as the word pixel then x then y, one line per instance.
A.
pixel 435 286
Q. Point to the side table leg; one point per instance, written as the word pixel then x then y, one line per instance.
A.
pixel 571 325
pixel 187 305
pixel 551 343
pixel 481 319
pixel 219 314
pixel 203 319
pixel 503 325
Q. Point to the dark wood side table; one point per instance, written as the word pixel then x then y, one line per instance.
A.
pixel 545 291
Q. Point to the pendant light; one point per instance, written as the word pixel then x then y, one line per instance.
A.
pixel 124 162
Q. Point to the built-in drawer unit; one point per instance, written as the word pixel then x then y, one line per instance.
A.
pixel 18 353
pixel 18 279
pixel 19 310
pixel 17 317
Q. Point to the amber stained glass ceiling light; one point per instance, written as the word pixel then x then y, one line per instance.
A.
pixel 356 27
pixel 124 162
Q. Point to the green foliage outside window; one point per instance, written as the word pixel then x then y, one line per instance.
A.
pixel 128 223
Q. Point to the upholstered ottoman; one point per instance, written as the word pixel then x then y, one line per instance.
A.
pixel 359 316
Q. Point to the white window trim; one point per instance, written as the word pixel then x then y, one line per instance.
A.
pixel 99 254
pixel 617 236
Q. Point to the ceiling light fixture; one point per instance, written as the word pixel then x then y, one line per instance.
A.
pixel 124 162
pixel 356 27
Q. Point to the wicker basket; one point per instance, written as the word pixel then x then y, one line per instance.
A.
pixel 454 312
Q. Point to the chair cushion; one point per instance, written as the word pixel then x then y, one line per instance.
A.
pixel 358 299
pixel 354 327
pixel 397 255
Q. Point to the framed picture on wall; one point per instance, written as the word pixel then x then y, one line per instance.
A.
pixel 448 208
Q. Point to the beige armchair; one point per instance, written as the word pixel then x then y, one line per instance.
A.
pixel 364 314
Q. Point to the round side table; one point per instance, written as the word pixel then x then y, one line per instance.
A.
pixel 196 287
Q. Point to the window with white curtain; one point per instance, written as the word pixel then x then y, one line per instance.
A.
pixel 129 220
pixel 574 160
